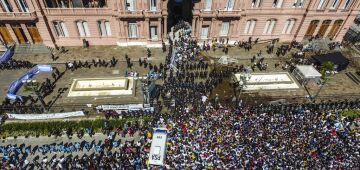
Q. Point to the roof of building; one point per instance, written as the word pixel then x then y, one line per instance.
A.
pixel 308 71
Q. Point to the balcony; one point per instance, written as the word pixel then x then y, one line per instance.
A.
pixel 77 11
pixel 228 13
pixel 272 11
pixel 208 13
pixel 152 14
pixel 6 16
pixel 131 14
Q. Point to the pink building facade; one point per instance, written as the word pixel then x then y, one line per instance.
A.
pixel 147 22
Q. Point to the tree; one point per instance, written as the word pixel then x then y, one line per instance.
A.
pixel 327 66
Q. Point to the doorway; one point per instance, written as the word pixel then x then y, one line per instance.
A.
pixel 311 29
pixel 19 32
pixel 5 34
pixel 34 33
pixel 324 26
pixel 179 10
pixel 334 29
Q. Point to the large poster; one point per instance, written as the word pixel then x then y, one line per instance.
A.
pixel 45 116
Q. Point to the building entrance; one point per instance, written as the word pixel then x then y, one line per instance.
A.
pixel 19 32
pixel 179 10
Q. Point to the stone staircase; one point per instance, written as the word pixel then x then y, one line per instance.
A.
pixel 32 49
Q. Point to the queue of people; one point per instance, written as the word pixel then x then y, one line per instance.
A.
pixel 15 64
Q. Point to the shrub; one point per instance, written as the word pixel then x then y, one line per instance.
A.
pixel 45 127
pixel 352 113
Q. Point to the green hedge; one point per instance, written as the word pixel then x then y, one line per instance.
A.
pixel 352 113
pixel 45 127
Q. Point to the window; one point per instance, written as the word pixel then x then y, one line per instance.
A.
pixel 130 5
pixel 346 4
pixel 104 28
pixel 6 6
pixel 22 5
pixel 204 32
pixel 256 3
pixel 75 3
pixel 249 27
pixel 289 24
pixel 277 3
pixel 60 29
pixel 83 28
pixel 321 4
pixel 153 33
pixel 269 26
pixel 298 3
pixel 224 29
pixel 132 30
pixel 229 5
pixel 152 5
pixel 334 4
pixel 207 5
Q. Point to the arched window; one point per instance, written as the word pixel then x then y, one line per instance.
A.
pixel 104 28
pixel 269 26
pixel 249 27
pixel 60 29
pixel 83 28
pixel 288 27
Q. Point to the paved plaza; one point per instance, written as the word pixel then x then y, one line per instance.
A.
pixel 339 84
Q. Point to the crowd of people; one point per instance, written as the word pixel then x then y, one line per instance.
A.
pixel 208 134
pixel 13 64
pixel 99 63
pixel 297 136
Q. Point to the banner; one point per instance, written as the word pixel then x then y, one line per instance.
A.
pixel 45 116
pixel 129 107
pixel 15 85
pixel 7 55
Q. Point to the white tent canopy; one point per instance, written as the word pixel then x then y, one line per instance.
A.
pixel 304 73
pixel 227 60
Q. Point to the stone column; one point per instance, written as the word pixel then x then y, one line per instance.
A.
pixel 27 34
pixel 165 27
pixel 212 28
pixel 12 33
pixel 160 30
pixel 232 28
pixel 193 26
pixel 126 31
pixel 121 28
pixel 199 25
pixel 146 29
